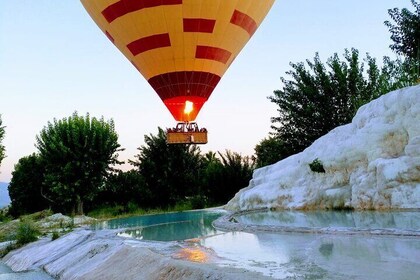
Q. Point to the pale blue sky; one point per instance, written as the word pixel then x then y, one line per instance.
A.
pixel 55 60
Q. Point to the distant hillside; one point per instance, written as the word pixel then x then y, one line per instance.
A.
pixel 4 194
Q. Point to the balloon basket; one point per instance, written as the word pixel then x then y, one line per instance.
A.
pixel 186 133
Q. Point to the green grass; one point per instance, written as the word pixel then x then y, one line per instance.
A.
pixel 119 211
pixel 23 233
pixel 37 216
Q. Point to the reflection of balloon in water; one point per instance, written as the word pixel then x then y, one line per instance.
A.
pixel 182 47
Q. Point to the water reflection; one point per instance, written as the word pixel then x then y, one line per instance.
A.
pixel 166 227
pixel 306 256
pixel 193 254
pixel 289 255
pixel 346 219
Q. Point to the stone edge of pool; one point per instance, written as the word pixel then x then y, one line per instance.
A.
pixel 229 223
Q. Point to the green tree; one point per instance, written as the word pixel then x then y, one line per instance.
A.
pixel 123 188
pixel 405 32
pixel 225 177
pixel 315 101
pixel 26 189
pixel 270 150
pixel 2 149
pixel 78 152
pixel 170 171
pixel 212 179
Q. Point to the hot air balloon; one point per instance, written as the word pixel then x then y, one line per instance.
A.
pixel 181 47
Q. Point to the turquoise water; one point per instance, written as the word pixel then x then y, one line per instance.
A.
pixel 289 255
pixel 166 227
pixel 318 256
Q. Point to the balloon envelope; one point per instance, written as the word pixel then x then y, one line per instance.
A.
pixel 181 47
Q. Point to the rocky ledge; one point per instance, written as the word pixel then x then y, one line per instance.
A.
pixel 87 254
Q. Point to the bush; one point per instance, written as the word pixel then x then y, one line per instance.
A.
pixel 55 236
pixel 107 212
pixel 316 166
pixel 198 201
pixel 26 233
pixel 3 216
pixel 180 206
pixel 10 247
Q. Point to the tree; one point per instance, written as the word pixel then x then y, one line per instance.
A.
pixel 212 177
pixel 170 171
pixel 123 188
pixel 315 101
pixel 2 149
pixel 224 177
pixel 270 150
pixel 25 188
pixel 405 32
pixel 77 152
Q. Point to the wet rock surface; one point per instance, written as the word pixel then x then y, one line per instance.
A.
pixel 87 254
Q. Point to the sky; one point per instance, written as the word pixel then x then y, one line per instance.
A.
pixel 54 61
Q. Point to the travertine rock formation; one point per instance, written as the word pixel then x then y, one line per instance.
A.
pixel 371 163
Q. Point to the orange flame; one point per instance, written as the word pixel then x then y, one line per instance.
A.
pixel 189 107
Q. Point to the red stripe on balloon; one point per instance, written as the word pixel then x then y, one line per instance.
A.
pixel 199 25
pixel 184 83
pixel 244 21
pixel 149 43
pixel 123 7
pixel 109 36
pixel 135 66
pixel 213 53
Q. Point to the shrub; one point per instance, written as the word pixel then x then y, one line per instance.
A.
pixel 10 247
pixel 316 166
pixel 3 216
pixel 55 236
pixel 182 205
pixel 198 201
pixel 26 233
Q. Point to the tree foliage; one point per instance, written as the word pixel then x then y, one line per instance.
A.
pixel 123 188
pixel 170 172
pixel 174 173
pixel 270 150
pixel 318 99
pixel 405 31
pixel 224 177
pixel 77 152
pixel 164 175
pixel 26 186
pixel 2 148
